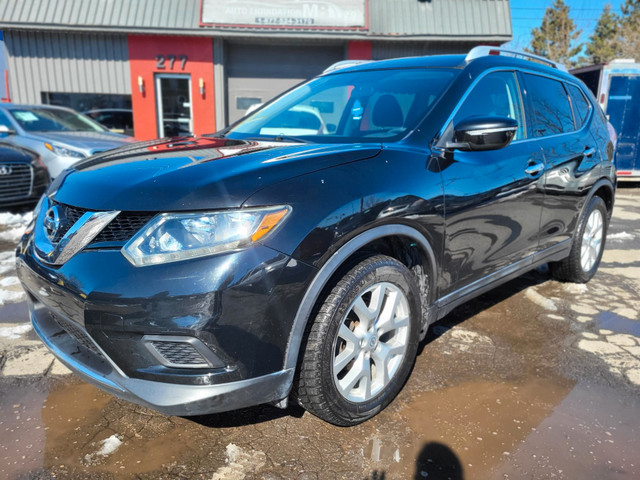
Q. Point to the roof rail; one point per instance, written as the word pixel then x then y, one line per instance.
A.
pixel 485 50
pixel 344 64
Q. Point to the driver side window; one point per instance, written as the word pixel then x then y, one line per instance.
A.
pixel 4 121
pixel 496 94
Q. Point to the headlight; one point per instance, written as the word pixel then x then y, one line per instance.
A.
pixel 63 151
pixel 173 237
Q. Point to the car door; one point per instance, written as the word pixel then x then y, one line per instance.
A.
pixel 570 151
pixel 492 198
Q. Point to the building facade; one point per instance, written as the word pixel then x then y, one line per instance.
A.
pixel 195 66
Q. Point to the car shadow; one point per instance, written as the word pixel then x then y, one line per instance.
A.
pixel 247 416
pixel 487 300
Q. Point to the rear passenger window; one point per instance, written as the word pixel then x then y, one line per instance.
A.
pixel 580 105
pixel 496 94
pixel 551 108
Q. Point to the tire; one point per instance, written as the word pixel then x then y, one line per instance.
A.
pixel 342 372
pixel 588 245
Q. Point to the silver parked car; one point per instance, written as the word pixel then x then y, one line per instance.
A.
pixel 60 135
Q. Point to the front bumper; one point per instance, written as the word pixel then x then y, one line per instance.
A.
pixel 95 311
pixel 170 399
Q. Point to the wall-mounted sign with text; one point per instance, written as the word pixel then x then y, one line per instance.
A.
pixel 297 14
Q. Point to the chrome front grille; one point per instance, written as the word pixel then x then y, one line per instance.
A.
pixel 119 230
pixel 16 181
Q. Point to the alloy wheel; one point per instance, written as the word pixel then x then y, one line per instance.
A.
pixel 591 240
pixel 371 342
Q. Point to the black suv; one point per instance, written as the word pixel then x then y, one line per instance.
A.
pixel 303 252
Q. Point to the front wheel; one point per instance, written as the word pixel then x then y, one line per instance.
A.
pixel 588 245
pixel 362 343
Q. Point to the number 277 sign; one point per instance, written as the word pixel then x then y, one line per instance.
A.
pixel 171 62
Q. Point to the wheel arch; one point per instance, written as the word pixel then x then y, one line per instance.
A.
pixel 605 190
pixel 350 251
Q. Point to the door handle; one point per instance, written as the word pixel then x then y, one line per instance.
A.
pixel 588 151
pixel 534 169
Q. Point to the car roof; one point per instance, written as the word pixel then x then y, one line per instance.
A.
pixel 96 110
pixel 24 105
pixel 457 62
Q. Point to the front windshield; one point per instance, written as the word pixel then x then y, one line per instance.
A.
pixel 53 120
pixel 366 106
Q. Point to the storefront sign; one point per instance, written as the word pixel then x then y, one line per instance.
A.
pixel 351 14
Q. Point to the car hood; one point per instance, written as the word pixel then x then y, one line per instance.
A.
pixel 193 173
pixel 87 141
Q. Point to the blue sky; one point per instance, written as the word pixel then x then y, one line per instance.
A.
pixel 527 14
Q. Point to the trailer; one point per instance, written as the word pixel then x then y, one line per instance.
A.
pixel 616 85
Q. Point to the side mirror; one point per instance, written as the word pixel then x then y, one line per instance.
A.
pixel 483 133
pixel 331 127
pixel 6 130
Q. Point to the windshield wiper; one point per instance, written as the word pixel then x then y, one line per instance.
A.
pixel 280 138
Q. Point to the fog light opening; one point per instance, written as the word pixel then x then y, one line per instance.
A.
pixel 181 352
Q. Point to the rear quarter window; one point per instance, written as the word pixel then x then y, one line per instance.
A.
pixel 549 107
pixel 580 105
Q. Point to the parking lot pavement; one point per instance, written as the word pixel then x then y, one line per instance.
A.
pixel 537 379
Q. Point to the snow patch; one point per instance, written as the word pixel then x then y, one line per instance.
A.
pixel 240 462
pixel 467 336
pixel 576 287
pixel 540 300
pixel 465 340
pixel 107 447
pixel 620 236
pixel 9 281
pixel 13 333
pixel 10 296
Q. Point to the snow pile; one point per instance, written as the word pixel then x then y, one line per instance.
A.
pixel 13 333
pixel 16 225
pixel 7 218
pixel 13 235
pixel 107 447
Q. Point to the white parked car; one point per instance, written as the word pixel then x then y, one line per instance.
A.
pixel 60 135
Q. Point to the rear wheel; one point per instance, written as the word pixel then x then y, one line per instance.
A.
pixel 362 343
pixel 588 245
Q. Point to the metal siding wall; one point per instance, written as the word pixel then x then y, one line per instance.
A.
pixel 383 50
pixel 70 63
pixel 219 83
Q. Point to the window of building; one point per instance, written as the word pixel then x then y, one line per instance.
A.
pixel 551 110
pixel 82 102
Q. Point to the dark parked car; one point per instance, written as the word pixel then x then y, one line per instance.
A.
pixel 23 176
pixel 117 120
pixel 198 275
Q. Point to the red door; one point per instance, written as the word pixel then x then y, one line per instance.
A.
pixel 171 85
